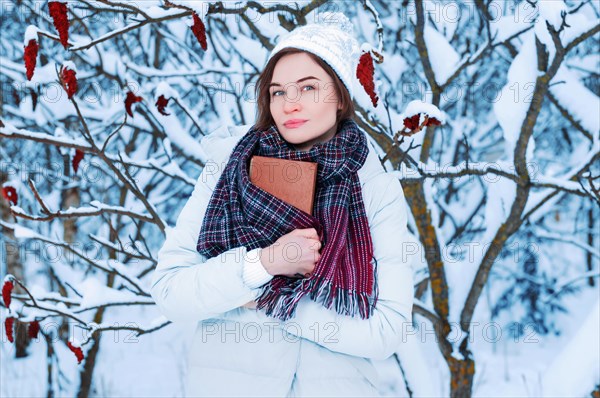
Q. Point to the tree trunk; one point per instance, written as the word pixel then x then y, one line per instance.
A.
pixel 14 266
pixel 461 377
pixel 49 366
pixel 21 339
pixel 85 376
pixel 590 241
pixel 69 198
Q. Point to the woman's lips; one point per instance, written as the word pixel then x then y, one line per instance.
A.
pixel 292 124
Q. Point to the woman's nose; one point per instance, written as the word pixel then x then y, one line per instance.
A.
pixel 291 104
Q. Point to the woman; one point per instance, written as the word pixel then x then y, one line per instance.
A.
pixel 270 321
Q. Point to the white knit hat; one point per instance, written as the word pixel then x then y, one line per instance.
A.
pixel 332 40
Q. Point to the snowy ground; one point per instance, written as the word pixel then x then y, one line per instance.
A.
pixel 154 365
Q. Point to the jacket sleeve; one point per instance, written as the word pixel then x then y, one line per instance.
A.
pixel 185 285
pixel 382 334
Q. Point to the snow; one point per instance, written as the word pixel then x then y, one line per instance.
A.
pixel 159 12
pixel 20 231
pixel 378 24
pixel 579 23
pixel 560 182
pixel 576 98
pixel 168 149
pixel 544 36
pixel 443 57
pixel 32 315
pixel 148 4
pixel 115 66
pixel 10 129
pixel 41 294
pixel 423 108
pixel 78 45
pixel 551 10
pixel 199 7
pixel 19 372
pixel 180 137
pixel 394 66
pixel 95 205
pixel 433 169
pixel 171 168
pixel 96 293
pixel 512 105
pixel 445 16
pixel 252 50
pixel 165 89
pixel 12 184
pixel 582 354
pixel 501 193
pixel 416 366
pixel 581 159
pixel 70 65
pixel 365 47
pixel 506 26
pixel 124 271
pixel 31 33
pixel 43 73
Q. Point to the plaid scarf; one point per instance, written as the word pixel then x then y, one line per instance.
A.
pixel 241 214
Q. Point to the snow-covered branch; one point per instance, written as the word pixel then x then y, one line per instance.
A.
pixel 435 171
pixel 107 265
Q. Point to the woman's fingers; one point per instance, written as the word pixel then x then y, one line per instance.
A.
pixel 316 243
pixel 309 233
pixel 300 276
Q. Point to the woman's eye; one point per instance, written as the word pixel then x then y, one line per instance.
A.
pixel 278 93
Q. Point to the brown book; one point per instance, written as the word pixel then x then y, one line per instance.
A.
pixel 292 181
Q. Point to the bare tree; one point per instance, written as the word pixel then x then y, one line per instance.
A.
pixel 96 171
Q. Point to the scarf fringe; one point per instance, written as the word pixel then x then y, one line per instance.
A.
pixel 283 304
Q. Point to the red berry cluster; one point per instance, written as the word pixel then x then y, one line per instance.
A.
pixel 365 73
pixel 58 12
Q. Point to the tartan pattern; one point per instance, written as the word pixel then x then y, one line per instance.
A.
pixel 242 214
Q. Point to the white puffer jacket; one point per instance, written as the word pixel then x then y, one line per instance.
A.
pixel 237 351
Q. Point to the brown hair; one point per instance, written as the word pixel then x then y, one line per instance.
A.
pixel 264 119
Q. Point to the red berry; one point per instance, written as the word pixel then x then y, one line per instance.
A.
pixel 6 292
pixel 365 73
pixel 130 100
pixel 76 159
pixel 77 351
pixel 199 30
pixel 69 81
pixel 33 329
pixel 8 325
pixel 30 57
pixel 58 12
pixel 161 104
pixel 10 193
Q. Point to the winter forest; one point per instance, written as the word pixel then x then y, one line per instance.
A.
pixel 104 112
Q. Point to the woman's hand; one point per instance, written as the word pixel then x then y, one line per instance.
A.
pixel 295 254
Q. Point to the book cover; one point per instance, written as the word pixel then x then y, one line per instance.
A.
pixel 292 181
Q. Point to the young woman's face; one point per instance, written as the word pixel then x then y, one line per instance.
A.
pixel 303 101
